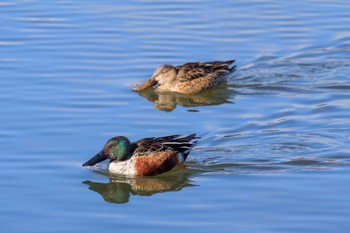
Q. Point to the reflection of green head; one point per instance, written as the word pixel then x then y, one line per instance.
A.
pixel 117 148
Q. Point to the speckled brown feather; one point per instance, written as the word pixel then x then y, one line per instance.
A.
pixel 199 84
pixel 195 70
pixel 198 76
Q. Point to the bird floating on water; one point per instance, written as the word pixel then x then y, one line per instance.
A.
pixel 145 157
pixel 189 78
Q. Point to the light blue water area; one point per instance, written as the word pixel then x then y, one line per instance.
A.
pixel 274 151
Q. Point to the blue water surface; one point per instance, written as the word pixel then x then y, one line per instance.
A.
pixel 274 152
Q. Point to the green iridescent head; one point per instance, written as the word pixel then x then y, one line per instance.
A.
pixel 117 148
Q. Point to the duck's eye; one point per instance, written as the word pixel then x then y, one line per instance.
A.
pixel 165 70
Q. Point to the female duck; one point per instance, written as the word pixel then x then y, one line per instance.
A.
pixel 145 157
pixel 189 78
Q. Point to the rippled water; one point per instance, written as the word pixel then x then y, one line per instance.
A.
pixel 274 154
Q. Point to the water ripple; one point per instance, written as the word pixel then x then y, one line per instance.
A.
pixel 66 70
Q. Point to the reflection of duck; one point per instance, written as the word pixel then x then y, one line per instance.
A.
pixel 118 190
pixel 189 78
pixel 145 157
pixel 167 101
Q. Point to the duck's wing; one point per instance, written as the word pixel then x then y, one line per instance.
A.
pixel 195 70
pixel 151 146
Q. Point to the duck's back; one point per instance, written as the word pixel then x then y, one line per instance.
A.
pixel 197 76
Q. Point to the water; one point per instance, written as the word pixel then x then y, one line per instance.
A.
pixel 274 154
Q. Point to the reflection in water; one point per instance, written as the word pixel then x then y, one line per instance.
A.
pixel 119 188
pixel 168 101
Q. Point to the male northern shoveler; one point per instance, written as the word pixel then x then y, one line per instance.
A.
pixel 145 157
pixel 189 78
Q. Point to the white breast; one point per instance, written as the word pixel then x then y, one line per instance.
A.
pixel 122 167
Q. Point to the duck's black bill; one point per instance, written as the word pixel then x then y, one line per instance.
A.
pixel 96 159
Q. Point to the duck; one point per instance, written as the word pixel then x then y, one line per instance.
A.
pixel 189 78
pixel 145 157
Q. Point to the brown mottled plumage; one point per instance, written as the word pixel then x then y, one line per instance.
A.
pixel 189 78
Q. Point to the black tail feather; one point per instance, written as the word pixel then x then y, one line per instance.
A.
pixel 182 144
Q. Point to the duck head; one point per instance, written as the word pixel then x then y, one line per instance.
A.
pixel 115 149
pixel 164 75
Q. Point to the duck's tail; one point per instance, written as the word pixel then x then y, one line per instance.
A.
pixel 222 67
pixel 230 62
pixel 182 144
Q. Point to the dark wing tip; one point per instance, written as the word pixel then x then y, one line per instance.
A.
pixel 233 68
pixel 192 136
